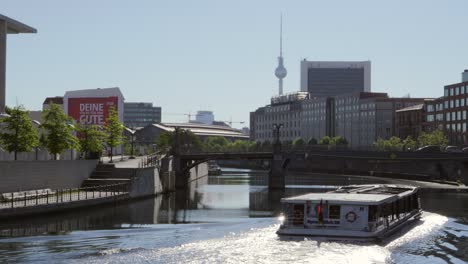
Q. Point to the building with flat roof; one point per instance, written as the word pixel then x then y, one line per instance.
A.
pixel 91 106
pixel 149 134
pixel 8 26
pixel 58 100
pixel 409 121
pixel 284 110
pixel 455 111
pixel 332 78
pixel 140 114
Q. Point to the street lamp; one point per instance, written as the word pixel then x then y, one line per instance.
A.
pixel 71 147
pixel 276 132
pixel 36 148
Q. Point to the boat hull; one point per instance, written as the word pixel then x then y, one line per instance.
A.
pixel 340 234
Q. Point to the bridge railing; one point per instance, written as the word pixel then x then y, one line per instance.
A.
pixel 61 196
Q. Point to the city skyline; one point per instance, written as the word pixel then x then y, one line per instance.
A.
pixel 221 57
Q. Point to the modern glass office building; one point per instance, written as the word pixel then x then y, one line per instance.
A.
pixel 332 78
pixel 139 114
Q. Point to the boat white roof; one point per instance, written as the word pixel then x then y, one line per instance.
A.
pixel 356 194
pixel 342 198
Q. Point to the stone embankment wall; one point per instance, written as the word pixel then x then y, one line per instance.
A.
pixel 53 174
pixel 147 183
pixel 198 176
pixel 419 168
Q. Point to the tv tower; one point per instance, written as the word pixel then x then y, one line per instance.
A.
pixel 280 71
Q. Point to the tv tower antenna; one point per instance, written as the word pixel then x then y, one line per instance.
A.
pixel 280 71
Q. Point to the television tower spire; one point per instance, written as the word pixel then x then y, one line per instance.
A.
pixel 280 71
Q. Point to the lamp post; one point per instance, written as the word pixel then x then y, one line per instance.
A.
pixel 276 133
pixel 36 148
pixel 71 147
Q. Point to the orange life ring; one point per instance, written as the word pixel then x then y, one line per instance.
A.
pixel 351 216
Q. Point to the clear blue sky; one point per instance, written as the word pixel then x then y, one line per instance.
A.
pixel 221 55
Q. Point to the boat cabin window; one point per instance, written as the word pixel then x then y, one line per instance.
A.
pixel 298 214
pixel 334 212
pixel 373 213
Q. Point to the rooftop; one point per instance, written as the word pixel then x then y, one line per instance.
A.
pixel 203 129
pixel 356 194
pixel 417 107
pixel 15 27
pixel 55 100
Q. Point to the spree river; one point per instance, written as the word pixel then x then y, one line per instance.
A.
pixel 231 218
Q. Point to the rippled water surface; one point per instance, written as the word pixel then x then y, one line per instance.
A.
pixel 224 221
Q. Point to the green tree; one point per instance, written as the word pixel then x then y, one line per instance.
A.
pixel 298 142
pixel 338 140
pixel 391 144
pixel 58 131
pixel 165 141
pixel 436 137
pixel 215 143
pixel 325 140
pixel 91 139
pixel 186 141
pixel 312 141
pixel 114 129
pixel 19 134
pixel 409 143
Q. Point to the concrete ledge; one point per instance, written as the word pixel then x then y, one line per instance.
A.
pixel 49 208
pixel 51 174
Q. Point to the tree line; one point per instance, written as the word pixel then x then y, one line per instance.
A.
pixel 436 137
pixel 188 141
pixel 58 132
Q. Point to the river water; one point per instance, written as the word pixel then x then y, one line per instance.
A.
pixel 230 218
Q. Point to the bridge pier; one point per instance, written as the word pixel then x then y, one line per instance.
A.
pixel 181 174
pixel 276 180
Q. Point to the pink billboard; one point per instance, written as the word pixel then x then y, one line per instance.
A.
pixel 91 111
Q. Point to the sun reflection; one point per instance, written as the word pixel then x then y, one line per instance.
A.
pixel 281 218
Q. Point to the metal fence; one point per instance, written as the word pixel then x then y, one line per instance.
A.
pixel 47 196
pixel 151 160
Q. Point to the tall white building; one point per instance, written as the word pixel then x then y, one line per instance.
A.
pixel 205 117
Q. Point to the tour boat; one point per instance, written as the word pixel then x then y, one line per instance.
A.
pixel 356 212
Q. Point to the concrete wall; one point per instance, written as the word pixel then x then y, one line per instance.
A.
pixel 147 183
pixel 33 175
pixel 42 154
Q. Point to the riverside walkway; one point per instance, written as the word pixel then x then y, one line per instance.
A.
pixel 42 201
pixel 47 200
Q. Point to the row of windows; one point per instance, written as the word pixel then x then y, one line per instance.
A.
pixel 438 107
pixel 456 103
pixel 456 127
pixel 286 124
pixel 454 91
pixel 276 109
pixel 453 116
pixel 284 133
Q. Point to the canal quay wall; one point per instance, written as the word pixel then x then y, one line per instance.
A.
pixel 63 179
pixel 197 176
pixel 19 175
pixel 412 166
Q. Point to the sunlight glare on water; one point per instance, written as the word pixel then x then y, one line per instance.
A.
pixel 262 245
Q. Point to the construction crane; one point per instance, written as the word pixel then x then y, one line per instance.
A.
pixel 230 122
pixel 189 115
